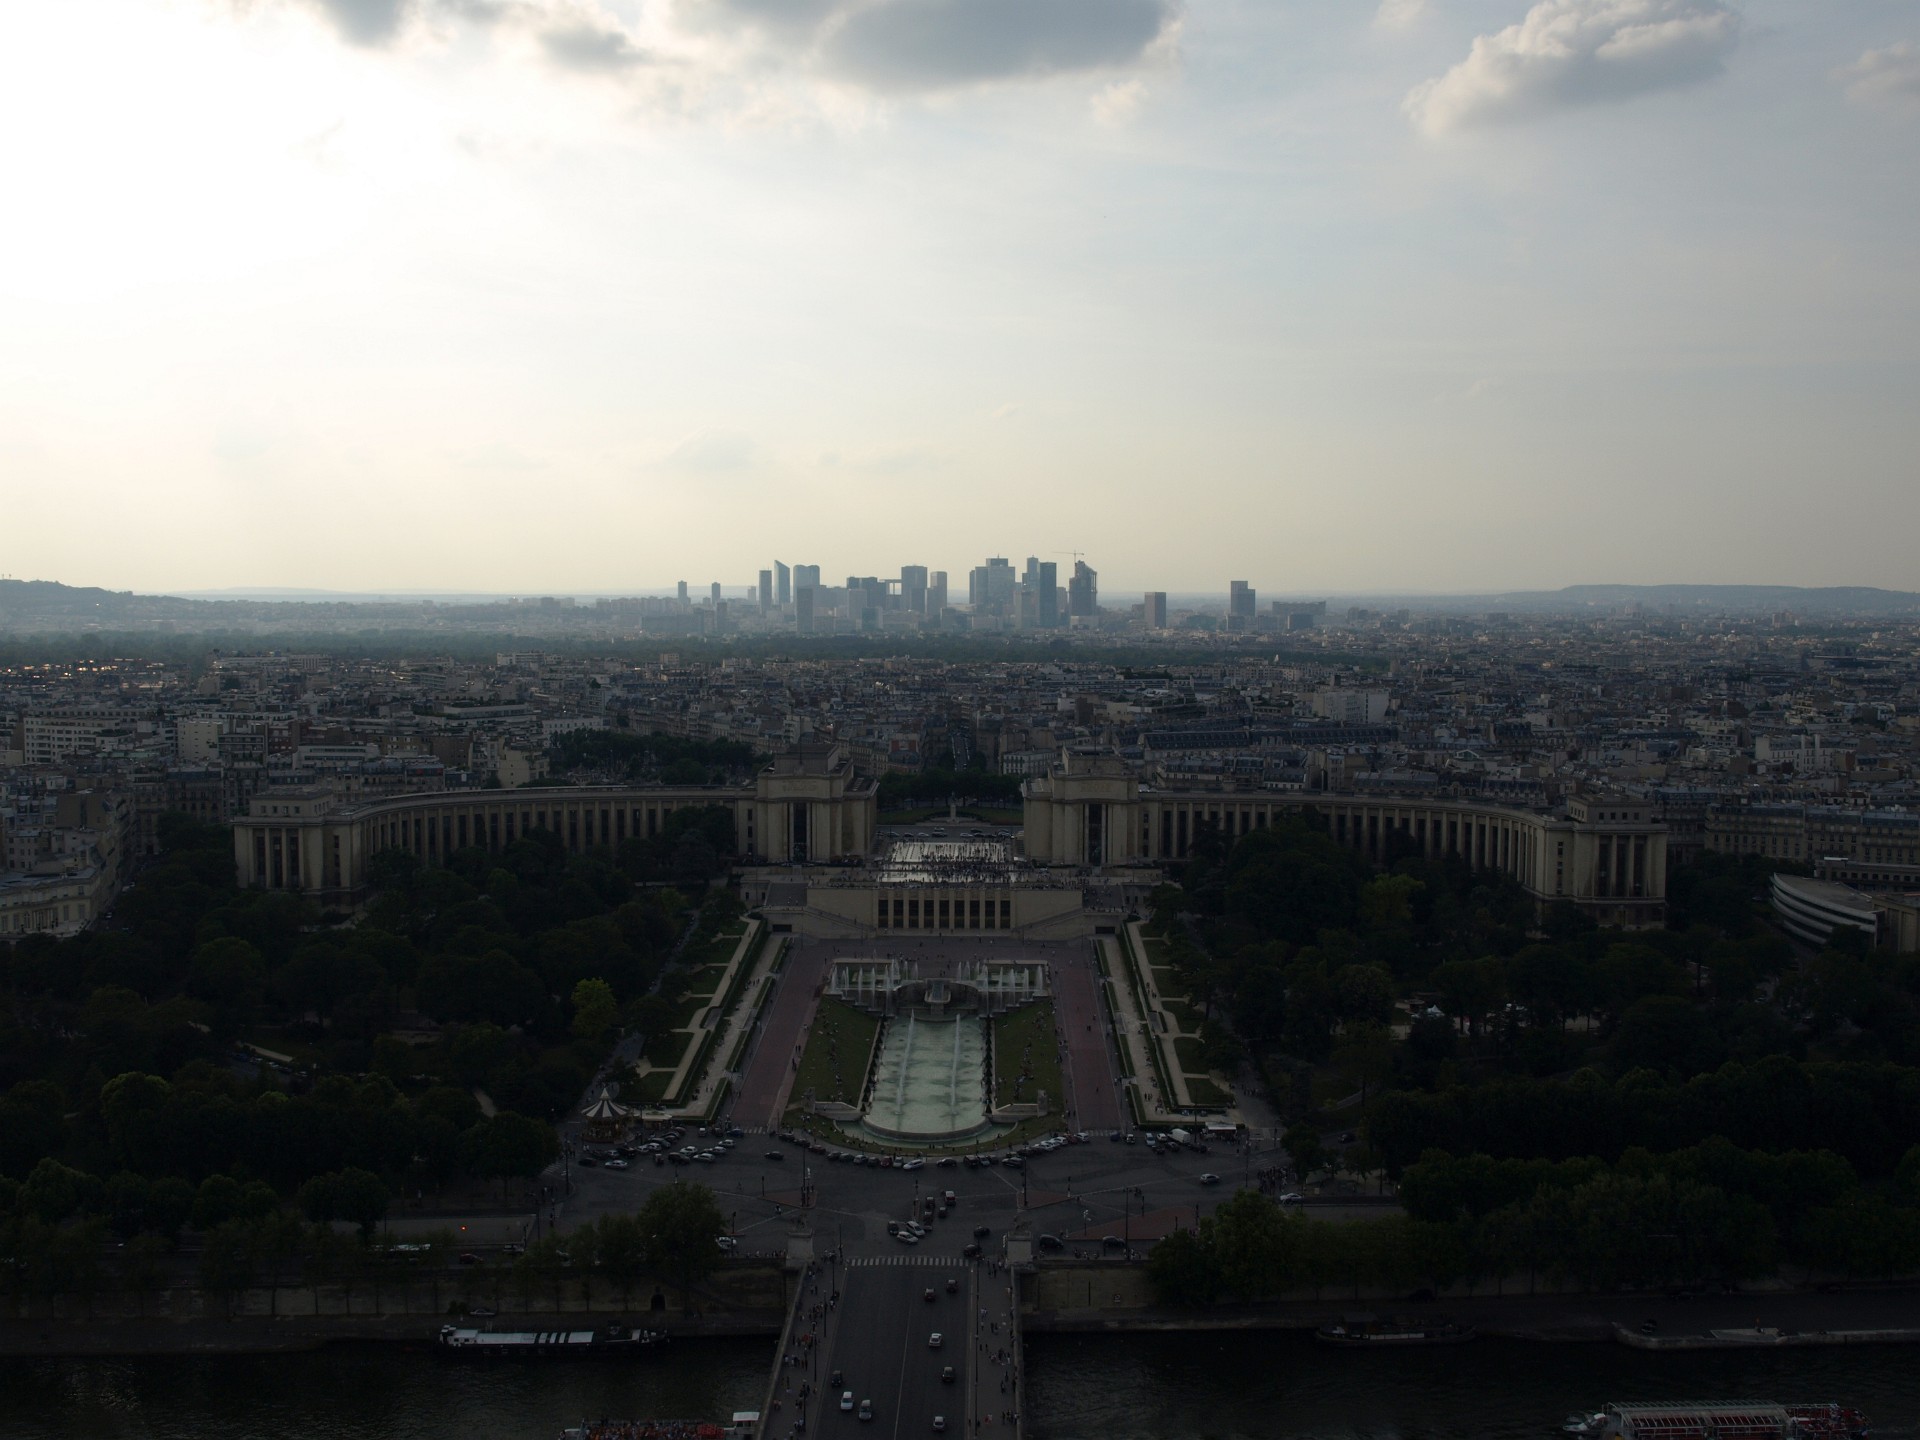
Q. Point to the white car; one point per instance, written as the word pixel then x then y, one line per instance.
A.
pixel 907 1237
pixel 935 1340
pixel 846 1399
pixel 939 1422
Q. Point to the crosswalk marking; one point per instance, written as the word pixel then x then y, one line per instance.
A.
pixel 924 1261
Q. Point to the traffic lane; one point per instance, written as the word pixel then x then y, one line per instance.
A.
pixel 1096 1099
pixel 880 1347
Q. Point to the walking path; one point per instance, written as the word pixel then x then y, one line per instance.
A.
pixel 1135 1036
pixel 768 1073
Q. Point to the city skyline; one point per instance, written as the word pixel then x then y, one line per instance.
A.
pixel 1421 297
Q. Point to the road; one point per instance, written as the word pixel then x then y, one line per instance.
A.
pixel 1083 1020
pixel 879 1343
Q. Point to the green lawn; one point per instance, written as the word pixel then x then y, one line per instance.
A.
pixel 667 1047
pixel 834 1064
pixel 1205 1092
pixel 1028 1032
pixel 652 1087
pixel 1185 1014
pixel 1192 1055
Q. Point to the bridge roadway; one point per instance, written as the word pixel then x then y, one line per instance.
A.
pixel 878 1341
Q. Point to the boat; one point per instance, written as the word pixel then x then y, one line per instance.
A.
pixel 608 1341
pixel 744 1426
pixel 1395 1330
pixel 1720 1420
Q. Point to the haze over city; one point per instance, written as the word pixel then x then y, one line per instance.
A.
pixel 585 297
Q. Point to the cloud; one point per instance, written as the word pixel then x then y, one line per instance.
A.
pixel 1886 79
pixel 937 44
pixel 366 22
pixel 711 451
pixel 1569 53
pixel 1398 14
pixel 592 48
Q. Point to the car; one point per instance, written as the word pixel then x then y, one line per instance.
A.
pixel 953 1285
pixel 705 1157
pixel 1209 1178
pixel 726 1144
pixel 726 1242
pixel 482 1312
pixel 586 1162
pixel 1115 1136
pixel 913 1165
pixel 467 1257
pixel 946 1375
pixel 1014 1162
pixel 836 1379
pixel 948 1162
pixel 776 1155
pixel 1130 1137
pixel 936 1340
pixel 1052 1242
pixel 617 1164
pixel 917 1228
pixel 939 1422
pixel 941 1213
pixel 735 1131
pixel 1293 1197
pixel 907 1237
pixel 513 1248
pixel 659 1159
pixel 949 1197
pixel 866 1409
pixel 981 1232
pixel 846 1399
pixel 929 1295
pixel 1112 1242
pixel 970 1250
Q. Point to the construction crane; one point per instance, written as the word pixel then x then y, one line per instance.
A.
pixel 1075 553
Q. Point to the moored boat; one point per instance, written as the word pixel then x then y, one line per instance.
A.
pixel 1393 1331
pixel 1722 1420
pixel 608 1341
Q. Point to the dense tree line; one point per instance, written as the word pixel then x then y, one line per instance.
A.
pixel 940 782
pixel 642 759
pixel 1604 1077
pixel 134 1100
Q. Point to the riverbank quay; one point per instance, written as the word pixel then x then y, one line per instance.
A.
pixel 740 1299
pixel 1889 1315
pixel 106 1339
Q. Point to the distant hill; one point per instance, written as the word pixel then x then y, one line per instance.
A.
pixel 29 607
pixel 1828 601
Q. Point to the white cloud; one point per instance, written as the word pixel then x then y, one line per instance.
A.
pixel 1568 53
pixel 1886 79
pixel 1399 14
pixel 712 451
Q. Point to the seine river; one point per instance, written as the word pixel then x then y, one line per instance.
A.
pixel 1081 1388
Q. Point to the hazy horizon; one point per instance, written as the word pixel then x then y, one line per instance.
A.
pixel 1414 297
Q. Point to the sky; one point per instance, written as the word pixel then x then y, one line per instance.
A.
pixel 1330 295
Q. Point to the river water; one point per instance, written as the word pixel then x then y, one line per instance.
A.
pixel 1168 1387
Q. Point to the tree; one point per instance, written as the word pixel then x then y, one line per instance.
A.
pixel 140 1261
pixel 595 1011
pixel 1183 1271
pixel 226 1260
pixel 681 1221
pixel 620 1249
pixel 510 1145
pixel 357 1196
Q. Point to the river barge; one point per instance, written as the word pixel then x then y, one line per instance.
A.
pixel 604 1343
pixel 1720 1420
pixel 1358 1330
pixel 744 1426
